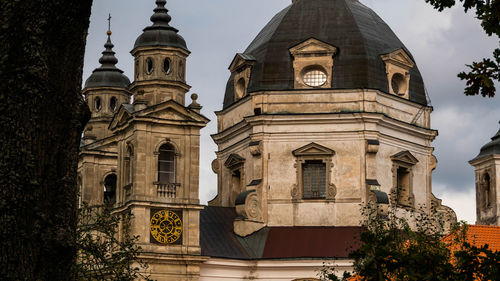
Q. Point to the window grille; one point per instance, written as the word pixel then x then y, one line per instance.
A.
pixel 314 179
pixel 166 164
pixel 314 78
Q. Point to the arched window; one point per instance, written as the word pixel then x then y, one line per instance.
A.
pixel 487 190
pixel 166 164
pixel 127 167
pixel 110 189
pixel 113 104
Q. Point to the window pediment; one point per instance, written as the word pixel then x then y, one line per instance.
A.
pixel 404 157
pixel 400 58
pixel 240 61
pixel 234 160
pixel 241 68
pixel 313 47
pixel 313 149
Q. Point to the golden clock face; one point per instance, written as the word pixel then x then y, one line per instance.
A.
pixel 166 227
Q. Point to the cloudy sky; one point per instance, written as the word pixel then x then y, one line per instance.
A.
pixel 441 43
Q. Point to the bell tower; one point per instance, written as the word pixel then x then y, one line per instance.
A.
pixel 158 148
pixel 160 61
pixel 105 90
pixel 487 166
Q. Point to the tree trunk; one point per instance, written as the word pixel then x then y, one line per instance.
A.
pixel 42 115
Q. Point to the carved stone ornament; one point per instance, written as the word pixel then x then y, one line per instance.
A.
pixel 331 192
pixel 248 205
pixel 372 146
pixel 255 150
pixel 215 166
pixel 295 192
pixel 252 208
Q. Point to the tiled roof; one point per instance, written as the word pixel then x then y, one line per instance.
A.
pixel 311 242
pixel 479 235
pixel 360 35
pixel 217 239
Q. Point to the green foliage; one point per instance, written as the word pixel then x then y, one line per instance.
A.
pixel 107 251
pixel 392 250
pixel 482 75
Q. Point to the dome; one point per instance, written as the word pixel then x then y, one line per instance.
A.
pixel 108 75
pixel 493 147
pixel 360 36
pixel 160 33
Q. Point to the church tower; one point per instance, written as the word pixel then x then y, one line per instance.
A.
pixel 158 148
pixel 160 62
pixel 487 166
pixel 105 91
pixel 325 111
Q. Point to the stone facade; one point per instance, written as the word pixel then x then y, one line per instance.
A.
pixel 143 158
pixel 362 133
pixel 306 157
pixel 487 167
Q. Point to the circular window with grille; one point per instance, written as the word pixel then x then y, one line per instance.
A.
pixel 314 77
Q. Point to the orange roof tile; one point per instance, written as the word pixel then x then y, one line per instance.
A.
pixel 479 235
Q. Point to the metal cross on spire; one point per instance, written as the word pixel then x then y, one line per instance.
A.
pixel 109 24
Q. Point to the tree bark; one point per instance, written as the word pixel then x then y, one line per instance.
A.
pixel 42 115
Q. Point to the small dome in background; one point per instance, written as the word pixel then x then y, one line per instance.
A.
pixel 359 35
pixel 493 147
pixel 108 75
pixel 160 33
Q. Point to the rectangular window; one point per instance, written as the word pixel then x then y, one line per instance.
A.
pixel 314 179
pixel 403 186
pixel 166 164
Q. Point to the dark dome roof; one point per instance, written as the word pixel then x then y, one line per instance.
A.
pixel 493 147
pixel 160 33
pixel 359 34
pixel 108 75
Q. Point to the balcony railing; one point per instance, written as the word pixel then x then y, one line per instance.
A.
pixel 167 190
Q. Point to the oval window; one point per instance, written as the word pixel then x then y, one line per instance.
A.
pixel 240 88
pixel 398 84
pixel 113 104
pixel 149 66
pixel 166 65
pixel 314 77
pixel 97 103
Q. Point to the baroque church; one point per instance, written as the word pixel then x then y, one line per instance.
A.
pixel 324 113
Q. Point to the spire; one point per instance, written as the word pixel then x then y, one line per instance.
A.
pixel 160 33
pixel 497 135
pixel 161 18
pixel 108 75
pixel 108 59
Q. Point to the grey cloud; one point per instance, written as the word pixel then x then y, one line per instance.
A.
pixel 217 29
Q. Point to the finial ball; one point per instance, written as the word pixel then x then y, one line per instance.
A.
pixel 194 96
pixel 109 33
